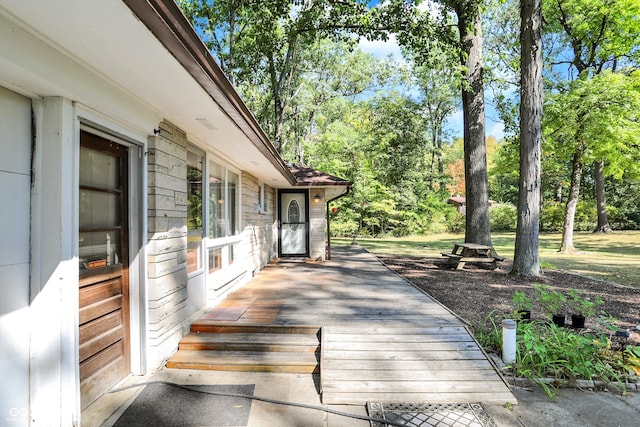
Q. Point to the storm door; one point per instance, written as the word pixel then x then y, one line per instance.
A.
pixel 103 258
pixel 294 223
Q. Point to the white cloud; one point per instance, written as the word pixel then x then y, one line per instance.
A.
pixel 495 129
pixel 381 49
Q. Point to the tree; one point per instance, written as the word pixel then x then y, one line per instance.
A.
pixel 526 260
pixel 595 118
pixel 601 35
pixel 478 228
pixel 436 75
pixel 264 46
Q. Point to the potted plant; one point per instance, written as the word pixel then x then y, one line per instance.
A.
pixel 523 305
pixel 553 302
pixel 581 306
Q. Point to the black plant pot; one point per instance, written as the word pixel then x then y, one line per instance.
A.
pixel 524 315
pixel 558 320
pixel 577 321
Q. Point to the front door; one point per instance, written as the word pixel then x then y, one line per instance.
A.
pixel 294 221
pixel 103 256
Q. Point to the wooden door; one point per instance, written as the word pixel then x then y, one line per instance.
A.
pixel 103 255
pixel 294 220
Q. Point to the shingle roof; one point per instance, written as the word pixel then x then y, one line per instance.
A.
pixel 306 176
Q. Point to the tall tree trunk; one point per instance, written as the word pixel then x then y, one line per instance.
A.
pixel 442 179
pixel 478 229
pixel 572 202
pixel 526 259
pixel 601 201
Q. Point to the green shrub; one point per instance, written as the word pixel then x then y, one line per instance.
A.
pixel 552 216
pixel 503 217
pixel 547 351
pixel 455 221
pixel 544 350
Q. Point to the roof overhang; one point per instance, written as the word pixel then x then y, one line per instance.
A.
pixel 146 51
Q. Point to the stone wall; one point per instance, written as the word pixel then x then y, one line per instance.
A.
pixel 259 240
pixel 167 247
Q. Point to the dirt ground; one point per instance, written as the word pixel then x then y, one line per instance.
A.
pixel 474 292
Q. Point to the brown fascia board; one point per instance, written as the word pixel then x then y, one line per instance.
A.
pixel 168 24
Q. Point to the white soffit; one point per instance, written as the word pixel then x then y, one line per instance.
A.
pixel 107 39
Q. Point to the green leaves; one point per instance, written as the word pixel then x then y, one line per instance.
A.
pixel 603 113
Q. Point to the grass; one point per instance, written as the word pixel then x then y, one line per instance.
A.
pixel 614 257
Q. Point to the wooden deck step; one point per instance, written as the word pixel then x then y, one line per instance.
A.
pixel 212 326
pixel 303 343
pixel 257 348
pixel 246 361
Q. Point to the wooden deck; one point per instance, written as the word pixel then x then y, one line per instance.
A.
pixel 380 339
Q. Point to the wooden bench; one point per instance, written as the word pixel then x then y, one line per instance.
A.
pixel 460 260
pixel 463 260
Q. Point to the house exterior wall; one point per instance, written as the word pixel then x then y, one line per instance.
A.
pixel 259 241
pixel 15 182
pixel 167 248
pixel 317 226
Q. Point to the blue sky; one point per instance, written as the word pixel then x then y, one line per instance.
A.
pixel 381 49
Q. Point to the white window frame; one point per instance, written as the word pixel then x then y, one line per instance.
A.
pixel 223 243
pixel 203 169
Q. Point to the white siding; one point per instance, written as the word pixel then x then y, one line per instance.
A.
pixel 15 181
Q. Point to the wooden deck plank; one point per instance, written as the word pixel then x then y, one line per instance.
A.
pixel 373 356
pixel 335 348
pixel 406 365
pixel 361 398
pixel 435 386
pixel 415 375
pixel 409 338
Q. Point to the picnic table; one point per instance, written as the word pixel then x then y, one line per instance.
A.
pixel 463 253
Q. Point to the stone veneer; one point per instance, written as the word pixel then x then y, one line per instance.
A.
pixel 167 247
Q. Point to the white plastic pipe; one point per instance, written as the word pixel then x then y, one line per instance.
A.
pixel 508 341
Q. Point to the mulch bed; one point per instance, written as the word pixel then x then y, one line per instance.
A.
pixel 473 293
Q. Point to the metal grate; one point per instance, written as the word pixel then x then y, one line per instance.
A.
pixel 430 414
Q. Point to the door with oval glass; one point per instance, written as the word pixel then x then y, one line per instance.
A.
pixel 294 223
pixel 103 256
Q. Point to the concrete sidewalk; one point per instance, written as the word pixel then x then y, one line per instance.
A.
pixel 573 408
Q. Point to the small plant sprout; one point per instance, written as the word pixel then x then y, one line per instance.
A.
pixel 580 304
pixel 552 302
pixel 522 305
pixel 521 301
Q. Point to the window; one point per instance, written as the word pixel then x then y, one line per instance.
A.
pixel 224 202
pixel 217 200
pixel 215 259
pixel 234 203
pixel 262 202
pixel 194 211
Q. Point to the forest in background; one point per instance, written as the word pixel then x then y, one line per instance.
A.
pixel 381 123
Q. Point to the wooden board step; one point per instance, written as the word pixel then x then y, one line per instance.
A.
pixel 212 326
pixel 297 343
pixel 246 361
pixel 248 347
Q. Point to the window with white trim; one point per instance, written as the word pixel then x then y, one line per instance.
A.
pixel 223 226
pixel 194 210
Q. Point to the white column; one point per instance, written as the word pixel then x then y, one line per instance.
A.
pixel 54 376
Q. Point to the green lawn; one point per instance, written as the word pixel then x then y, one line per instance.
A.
pixel 613 257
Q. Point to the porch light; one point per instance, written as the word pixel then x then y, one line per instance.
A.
pixel 317 198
